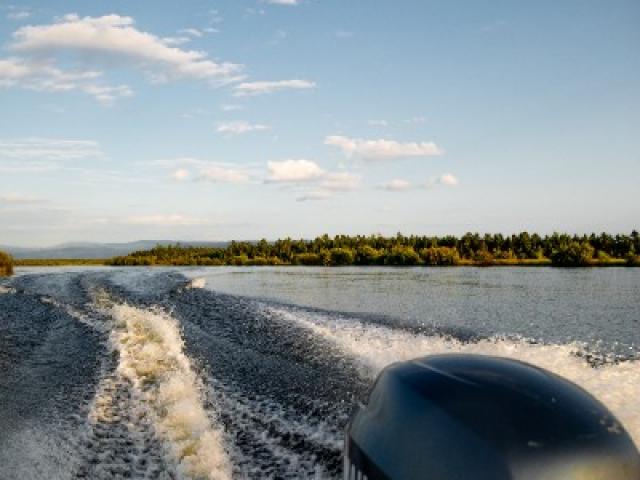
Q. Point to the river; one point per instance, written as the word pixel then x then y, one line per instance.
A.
pixel 229 372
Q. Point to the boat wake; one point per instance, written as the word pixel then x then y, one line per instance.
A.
pixel 114 375
pixel 155 375
pixel 375 346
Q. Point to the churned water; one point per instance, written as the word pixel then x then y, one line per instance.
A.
pixel 253 372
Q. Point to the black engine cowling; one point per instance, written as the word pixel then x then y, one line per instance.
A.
pixel 468 417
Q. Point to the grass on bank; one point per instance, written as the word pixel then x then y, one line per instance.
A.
pixel 6 265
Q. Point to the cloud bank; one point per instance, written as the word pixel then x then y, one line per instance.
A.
pixel 104 41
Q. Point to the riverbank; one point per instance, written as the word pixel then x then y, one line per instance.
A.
pixel 6 265
pixel 538 262
pixel 472 249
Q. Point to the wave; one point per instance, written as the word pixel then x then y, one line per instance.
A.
pixel 151 357
pixel 6 290
pixel 616 384
pixel 199 282
pixel 276 441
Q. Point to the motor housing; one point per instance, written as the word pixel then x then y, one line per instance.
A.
pixel 472 417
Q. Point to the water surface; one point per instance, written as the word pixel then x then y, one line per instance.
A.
pixel 217 373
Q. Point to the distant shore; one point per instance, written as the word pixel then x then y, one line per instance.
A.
pixel 472 249
pixel 544 262
pixel 59 262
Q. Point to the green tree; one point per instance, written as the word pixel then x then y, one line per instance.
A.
pixel 341 256
pixel 6 264
pixel 402 256
pixel 368 255
pixel 440 256
pixel 484 257
pixel 308 259
pixel 573 254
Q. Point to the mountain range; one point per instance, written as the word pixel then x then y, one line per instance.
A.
pixel 96 250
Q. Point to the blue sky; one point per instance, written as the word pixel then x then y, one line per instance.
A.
pixel 243 119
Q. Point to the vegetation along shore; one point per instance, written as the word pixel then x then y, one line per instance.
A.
pixel 6 264
pixel 470 249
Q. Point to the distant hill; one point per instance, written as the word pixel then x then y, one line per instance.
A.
pixel 96 250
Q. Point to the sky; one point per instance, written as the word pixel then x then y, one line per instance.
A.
pixel 248 119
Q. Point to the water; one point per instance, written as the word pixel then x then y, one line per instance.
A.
pixel 253 372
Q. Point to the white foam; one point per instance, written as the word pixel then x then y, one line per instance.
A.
pixel 152 358
pixel 199 282
pixel 85 319
pixel 374 347
pixel 6 290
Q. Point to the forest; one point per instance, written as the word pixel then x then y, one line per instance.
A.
pixel 470 249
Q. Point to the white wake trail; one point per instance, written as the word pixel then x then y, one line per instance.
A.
pixel 374 347
pixel 151 351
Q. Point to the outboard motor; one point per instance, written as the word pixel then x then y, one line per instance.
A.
pixel 469 417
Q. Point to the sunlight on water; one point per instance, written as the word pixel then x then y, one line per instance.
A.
pixel 374 347
pixel 152 358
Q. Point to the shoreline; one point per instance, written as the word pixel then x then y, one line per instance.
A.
pixel 31 262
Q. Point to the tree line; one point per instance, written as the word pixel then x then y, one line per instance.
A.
pixel 470 249
pixel 6 264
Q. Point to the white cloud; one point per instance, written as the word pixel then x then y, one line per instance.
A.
pixel 416 120
pixel 114 37
pixel 396 185
pixel 448 180
pixel 34 148
pixel 18 15
pixel 18 199
pixel 382 149
pixel 330 182
pixel 231 108
pixel 217 174
pixel 294 171
pixel 187 168
pixel 444 180
pixel 194 113
pixel 400 185
pixel 278 37
pixel 308 176
pixel 180 175
pixel 340 181
pixel 175 40
pixel 254 11
pixel 42 76
pixel 161 220
pixel 240 127
pixel 282 2
pixel 316 195
pixel 259 88
pixel 194 32
pixel 378 123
